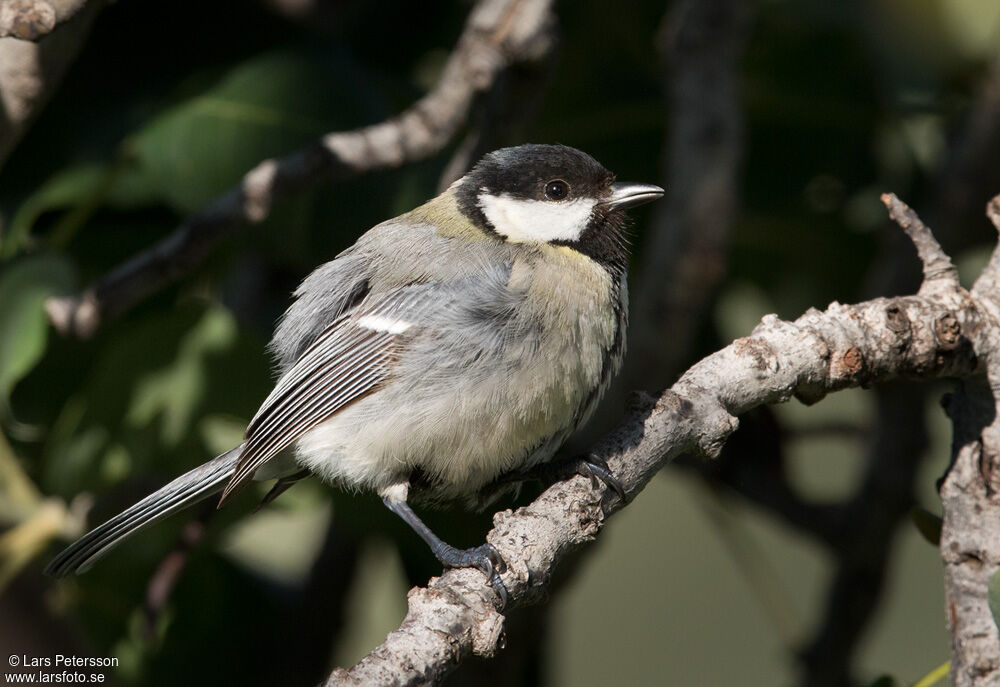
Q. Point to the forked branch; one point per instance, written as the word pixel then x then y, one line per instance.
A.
pixel 941 332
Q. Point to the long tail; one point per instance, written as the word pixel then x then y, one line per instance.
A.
pixel 188 489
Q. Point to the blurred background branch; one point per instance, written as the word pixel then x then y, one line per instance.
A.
pixel 684 254
pixel 498 33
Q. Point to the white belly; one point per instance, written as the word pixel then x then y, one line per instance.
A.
pixel 461 436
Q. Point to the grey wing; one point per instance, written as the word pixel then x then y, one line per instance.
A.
pixel 346 362
pixel 324 296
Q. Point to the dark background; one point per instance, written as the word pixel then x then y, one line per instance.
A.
pixel 712 576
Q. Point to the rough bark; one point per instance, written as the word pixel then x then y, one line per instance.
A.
pixel 970 494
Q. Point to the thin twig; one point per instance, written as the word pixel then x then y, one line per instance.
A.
pixel 936 263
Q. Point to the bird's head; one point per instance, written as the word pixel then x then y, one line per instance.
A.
pixel 552 194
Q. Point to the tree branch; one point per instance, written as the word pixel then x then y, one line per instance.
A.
pixel 511 103
pixel 937 265
pixel 988 283
pixel 497 33
pixel 969 536
pixel 30 72
pixel 941 332
pixel 970 494
pixel 32 19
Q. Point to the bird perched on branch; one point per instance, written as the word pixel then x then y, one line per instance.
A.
pixel 451 347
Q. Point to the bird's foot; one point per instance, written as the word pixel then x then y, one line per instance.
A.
pixel 586 465
pixel 484 557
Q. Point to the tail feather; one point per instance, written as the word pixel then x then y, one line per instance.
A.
pixel 186 490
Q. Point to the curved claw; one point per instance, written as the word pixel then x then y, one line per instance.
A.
pixel 492 572
pixel 485 558
pixel 489 560
pixel 586 465
pixel 596 468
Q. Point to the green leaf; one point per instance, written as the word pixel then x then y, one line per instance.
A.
pixel 142 402
pixel 24 287
pixel 263 108
pixel 64 189
pixel 935 676
pixel 173 393
pixel 994 597
pixel 82 189
pixel 928 524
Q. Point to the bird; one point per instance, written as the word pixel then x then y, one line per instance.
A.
pixel 449 350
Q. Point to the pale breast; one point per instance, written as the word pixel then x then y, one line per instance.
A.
pixel 473 401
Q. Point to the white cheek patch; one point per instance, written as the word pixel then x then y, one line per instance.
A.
pixel 521 221
pixel 388 325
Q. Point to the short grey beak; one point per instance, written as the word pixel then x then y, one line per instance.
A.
pixel 628 195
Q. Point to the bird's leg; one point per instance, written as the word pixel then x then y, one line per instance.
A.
pixel 484 557
pixel 587 465
pixel 280 487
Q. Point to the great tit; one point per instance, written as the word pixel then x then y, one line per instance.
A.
pixel 449 349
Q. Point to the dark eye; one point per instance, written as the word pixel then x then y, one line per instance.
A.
pixel 557 189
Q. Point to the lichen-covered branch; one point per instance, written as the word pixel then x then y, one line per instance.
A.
pixel 943 331
pixel 497 34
